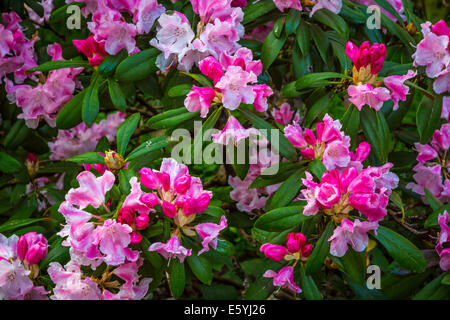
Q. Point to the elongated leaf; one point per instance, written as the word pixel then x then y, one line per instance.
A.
pixel 13 224
pixel 207 125
pixel 317 168
pixel 427 118
pixel 91 103
pixel 60 64
pixel 388 7
pixel 70 114
pixel 320 251
pixel 177 277
pixel 151 145
pixel 170 119
pixel 9 164
pixel 255 10
pixel 350 122
pixel 271 48
pixel 117 96
pixel 317 79
pixel 287 191
pixel 109 63
pixel 303 37
pixel 88 157
pixel 432 220
pixel 355 265
pixel 292 21
pixel 401 249
pixel 309 287
pixel 17 134
pixel 280 219
pixel 125 131
pixel 201 267
pixel 376 131
pixel 179 90
pixel 201 79
pixel 321 41
pixel 137 66
pixel 332 20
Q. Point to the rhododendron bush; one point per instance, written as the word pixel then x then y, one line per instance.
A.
pixel 131 148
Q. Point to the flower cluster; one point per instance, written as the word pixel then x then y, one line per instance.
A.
pixel 433 171
pixel 329 144
pixel 234 83
pixel 82 139
pixel 43 101
pixel 368 61
pixel 18 266
pixel 218 31
pixel 433 53
pixel 296 250
pixel 332 5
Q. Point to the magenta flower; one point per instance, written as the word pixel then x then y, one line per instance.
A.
pixel 32 248
pixel 274 252
pixel 211 68
pixel 365 94
pixel 92 49
pixel 353 233
pixel 209 232
pixel 426 152
pixel 171 249
pixel 200 98
pixel 284 278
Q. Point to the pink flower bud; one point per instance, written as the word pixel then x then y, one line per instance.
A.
pixel 135 238
pixel 32 247
pixel 126 216
pixel 142 221
pixel 306 250
pixel 295 241
pixel 308 153
pixel 202 202
pixel 149 199
pixel 274 252
pixel 164 177
pixel 310 137
pixel 211 68
pixel 36 253
pixel 149 178
pixel 169 209
pixel 182 184
pixel 22 248
pixel 441 29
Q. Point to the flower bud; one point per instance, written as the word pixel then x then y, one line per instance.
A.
pixel 142 221
pixel 126 216
pixel 113 160
pixel 169 209
pixel 182 184
pixel 295 241
pixel 32 165
pixel 149 178
pixel 36 253
pixel 310 137
pixel 202 202
pixel 274 252
pixel 308 153
pixel 164 178
pixel 149 199
pixel 32 248
pixel 22 248
pixel 306 250
pixel 135 238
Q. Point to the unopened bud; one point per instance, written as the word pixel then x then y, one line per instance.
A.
pixel 113 160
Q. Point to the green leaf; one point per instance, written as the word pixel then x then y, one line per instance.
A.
pixel 432 200
pixel 171 118
pixel 292 21
pixel 125 131
pixel 321 41
pixel 303 37
pixel 201 79
pixel 124 180
pixel 398 31
pixel 91 103
pixel 287 191
pixel 201 267
pixel 16 135
pixel 225 248
pixel 320 251
pixel 317 168
pixel 433 288
pixel 313 80
pixel 280 219
pixel 201 136
pixel 179 90
pixel 151 145
pixel 401 249
pixel 59 64
pixel 117 96
pixel 137 66
pixel 88 157
pixel 13 224
pixel 427 118
pixel 309 287
pixel 57 253
pixel 355 265
pixel 319 106
pixel 376 131
pixel 432 220
pixel 333 21
pixel 271 48
pixel 177 277
pixel 350 122
pixel 70 114
pixel 285 147
pixel 9 164
pixel 278 27
pixel 109 63
pixel 60 14
pixel 255 10
pixel 388 7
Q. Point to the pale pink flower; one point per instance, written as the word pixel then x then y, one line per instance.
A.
pixel 233 130
pixel 171 249
pixel 365 94
pixel 235 88
pixel 92 190
pixel 117 35
pixel 331 5
pixel 14 281
pixel 425 152
pixel 200 98
pixel 399 91
pixel 209 232
pixel 353 233
pixel 220 37
pixel 336 154
pixel 284 278
pixel 446 108
pixel 262 91
pixel 47 5
pixel 284 114
pixel 441 137
pixel 286 4
pixel 444 237
pixel 427 177
pixel 243 58
pixel 133 201
pixel 442 83
pixel 146 14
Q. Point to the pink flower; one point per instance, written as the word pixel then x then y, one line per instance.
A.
pixel 32 248
pixel 426 152
pixel 427 177
pixel 262 91
pixel 442 83
pixel 336 154
pixel 294 134
pixel 284 278
pixel 92 190
pixel 441 28
pixel 284 114
pixel 171 249
pixel 296 242
pixel 353 233
pixel 444 237
pixel 274 252
pixel 367 55
pixel 146 14
pixel 192 54
pixel 220 36
pixel 432 52
pixel 8 247
pixel 398 90
pixel 200 98
pixel 441 138
pixel 331 5
pixel 14 281
pixel 205 9
pixel 363 94
pixel 209 233
pixel 233 130
pixel 446 108
pixel 6 41
pixel 211 68
pixel 133 200
pixel 92 49
pixel 243 58
pixel 285 4
pixel 117 36
pixel 113 239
